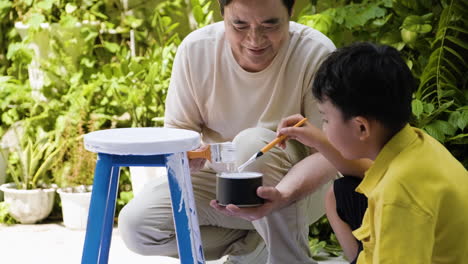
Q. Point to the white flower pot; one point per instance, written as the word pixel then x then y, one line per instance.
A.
pixel 75 208
pixel 3 166
pixel 28 206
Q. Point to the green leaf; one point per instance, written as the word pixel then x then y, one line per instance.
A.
pixel 320 22
pixel 388 3
pixel 416 24
pixel 133 22
pixel 70 8
pixel 443 127
pixel 462 121
pixel 112 47
pixel 435 132
pixel 428 108
pixel 35 20
pixel 456 54
pixel 417 107
pixel 5 7
pixel 198 14
pixel 360 14
pixel 457 41
pixel 459 29
pixel 46 4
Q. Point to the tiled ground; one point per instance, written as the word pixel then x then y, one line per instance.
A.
pixel 55 244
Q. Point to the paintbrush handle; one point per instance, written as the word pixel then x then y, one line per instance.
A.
pixel 203 154
pixel 281 138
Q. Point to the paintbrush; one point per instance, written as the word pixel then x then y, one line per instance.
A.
pixel 218 152
pixel 268 147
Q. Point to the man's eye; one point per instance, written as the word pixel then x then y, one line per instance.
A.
pixel 270 27
pixel 241 28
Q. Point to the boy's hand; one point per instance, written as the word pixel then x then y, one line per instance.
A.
pixel 307 134
pixel 273 200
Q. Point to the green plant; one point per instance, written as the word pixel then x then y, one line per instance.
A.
pixel 202 12
pixel 33 158
pixel 16 102
pixel 441 100
pixel 323 240
pixel 5 217
pixel 77 164
pixel 5 24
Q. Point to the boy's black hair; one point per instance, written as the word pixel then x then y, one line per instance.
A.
pixel 367 80
pixel 287 3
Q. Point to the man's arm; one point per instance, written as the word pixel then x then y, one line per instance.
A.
pixel 304 178
pixel 181 107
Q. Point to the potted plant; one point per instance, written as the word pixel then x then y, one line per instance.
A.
pixel 30 196
pixel 76 171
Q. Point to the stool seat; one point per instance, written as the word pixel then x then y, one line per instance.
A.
pixel 141 141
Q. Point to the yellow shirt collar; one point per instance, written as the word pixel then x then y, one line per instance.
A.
pixel 393 147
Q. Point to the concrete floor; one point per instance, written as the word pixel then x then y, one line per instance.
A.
pixel 55 244
pixel 52 243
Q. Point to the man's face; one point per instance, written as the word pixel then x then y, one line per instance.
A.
pixel 256 30
pixel 340 133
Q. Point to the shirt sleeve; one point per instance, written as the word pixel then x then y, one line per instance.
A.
pixel 317 56
pixel 403 234
pixel 182 110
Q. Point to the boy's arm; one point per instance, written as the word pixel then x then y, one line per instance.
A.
pixel 311 136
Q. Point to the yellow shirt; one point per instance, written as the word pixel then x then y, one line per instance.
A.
pixel 418 203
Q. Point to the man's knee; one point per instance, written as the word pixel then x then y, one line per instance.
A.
pixel 250 141
pixel 137 231
pixel 129 225
pixel 330 203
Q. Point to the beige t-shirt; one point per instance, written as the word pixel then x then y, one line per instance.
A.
pixel 210 93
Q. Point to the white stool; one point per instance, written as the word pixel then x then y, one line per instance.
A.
pixel 141 147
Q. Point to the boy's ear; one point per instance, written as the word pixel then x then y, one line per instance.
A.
pixel 362 127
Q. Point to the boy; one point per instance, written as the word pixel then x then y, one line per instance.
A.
pixel 412 204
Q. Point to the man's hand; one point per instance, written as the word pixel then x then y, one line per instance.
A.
pixel 197 164
pixel 273 201
pixel 307 134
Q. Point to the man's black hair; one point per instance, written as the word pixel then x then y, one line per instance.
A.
pixel 287 3
pixel 367 80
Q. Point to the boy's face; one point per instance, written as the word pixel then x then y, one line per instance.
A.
pixel 341 134
pixel 256 31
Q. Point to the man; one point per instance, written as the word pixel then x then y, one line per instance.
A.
pixel 249 71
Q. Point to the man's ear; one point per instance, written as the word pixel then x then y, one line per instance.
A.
pixel 221 10
pixel 362 127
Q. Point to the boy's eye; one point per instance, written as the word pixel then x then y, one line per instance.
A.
pixel 324 121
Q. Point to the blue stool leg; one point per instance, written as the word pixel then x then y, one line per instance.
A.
pixel 184 210
pixel 101 211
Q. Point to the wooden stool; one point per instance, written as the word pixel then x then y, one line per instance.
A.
pixel 148 147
